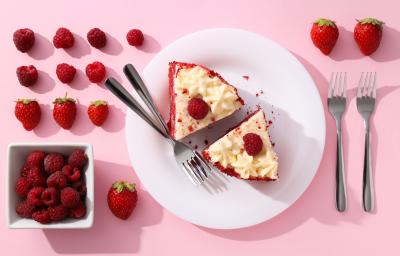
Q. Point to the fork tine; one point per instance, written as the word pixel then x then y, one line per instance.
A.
pixel 366 82
pixel 330 86
pixel 194 171
pixel 369 89
pixel 335 85
pixel 199 157
pixel 339 89
pixel 190 175
pixel 359 90
pixel 374 87
pixel 199 169
pixel 198 162
pixel 345 84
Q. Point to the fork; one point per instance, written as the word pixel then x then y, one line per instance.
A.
pixel 366 95
pixel 189 160
pixel 337 106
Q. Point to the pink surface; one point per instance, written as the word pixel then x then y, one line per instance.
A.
pixel 311 226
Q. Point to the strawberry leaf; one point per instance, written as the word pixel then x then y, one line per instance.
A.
pixel 324 22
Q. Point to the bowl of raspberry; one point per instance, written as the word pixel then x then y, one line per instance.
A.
pixel 50 186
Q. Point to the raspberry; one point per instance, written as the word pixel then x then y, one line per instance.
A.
pixel 50 196
pixel 79 211
pixel 24 39
pixel 96 72
pixel 42 216
pixel 135 37
pixel 34 196
pixel 25 209
pixel 65 73
pixel 53 162
pixel 77 159
pixel 252 143
pixel 57 180
pixel 22 186
pixel 35 176
pixel 24 170
pixel 97 38
pixel 198 108
pixel 63 38
pixel 80 187
pixel 72 174
pixel 58 212
pixel 27 75
pixel 69 197
pixel 35 158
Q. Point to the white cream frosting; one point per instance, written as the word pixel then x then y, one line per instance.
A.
pixel 229 150
pixel 196 82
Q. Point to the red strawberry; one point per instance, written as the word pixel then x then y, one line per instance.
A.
pixel 98 112
pixel 324 34
pixel 368 35
pixel 28 113
pixel 122 199
pixel 64 112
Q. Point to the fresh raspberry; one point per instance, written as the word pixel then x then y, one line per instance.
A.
pixel 69 197
pixel 25 209
pixel 22 186
pixel 78 211
pixel 42 216
pixel 97 38
pixel 27 75
pixel 198 108
pixel 35 196
pixel 53 162
pixel 57 180
pixel 72 174
pixel 63 38
pixel 252 143
pixel 135 37
pixel 77 159
pixel 96 72
pixel 24 39
pixel 35 177
pixel 35 158
pixel 50 196
pixel 65 73
pixel 25 170
pixel 58 212
pixel 80 187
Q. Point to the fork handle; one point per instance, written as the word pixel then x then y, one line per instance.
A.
pixel 120 92
pixel 134 78
pixel 368 196
pixel 341 198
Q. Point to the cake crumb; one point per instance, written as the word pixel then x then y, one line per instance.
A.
pixel 196 147
pixel 206 142
pixel 246 77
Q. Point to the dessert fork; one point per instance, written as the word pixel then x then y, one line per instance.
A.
pixel 366 95
pixel 189 160
pixel 337 106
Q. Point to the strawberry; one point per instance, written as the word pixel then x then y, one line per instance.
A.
pixel 122 199
pixel 64 112
pixel 98 112
pixel 28 113
pixel 324 34
pixel 368 35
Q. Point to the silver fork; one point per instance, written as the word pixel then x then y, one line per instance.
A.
pixel 366 95
pixel 337 106
pixel 189 160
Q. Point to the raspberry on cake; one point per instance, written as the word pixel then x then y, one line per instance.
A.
pixel 198 98
pixel 246 151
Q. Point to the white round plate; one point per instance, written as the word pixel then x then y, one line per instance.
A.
pixel 290 99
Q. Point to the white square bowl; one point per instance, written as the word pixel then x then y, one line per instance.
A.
pixel 17 153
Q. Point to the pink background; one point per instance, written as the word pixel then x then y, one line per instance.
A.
pixel 311 226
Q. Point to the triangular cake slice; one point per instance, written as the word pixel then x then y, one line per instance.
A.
pixel 198 98
pixel 246 151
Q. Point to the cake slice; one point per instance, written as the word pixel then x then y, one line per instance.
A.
pixel 246 151
pixel 198 98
